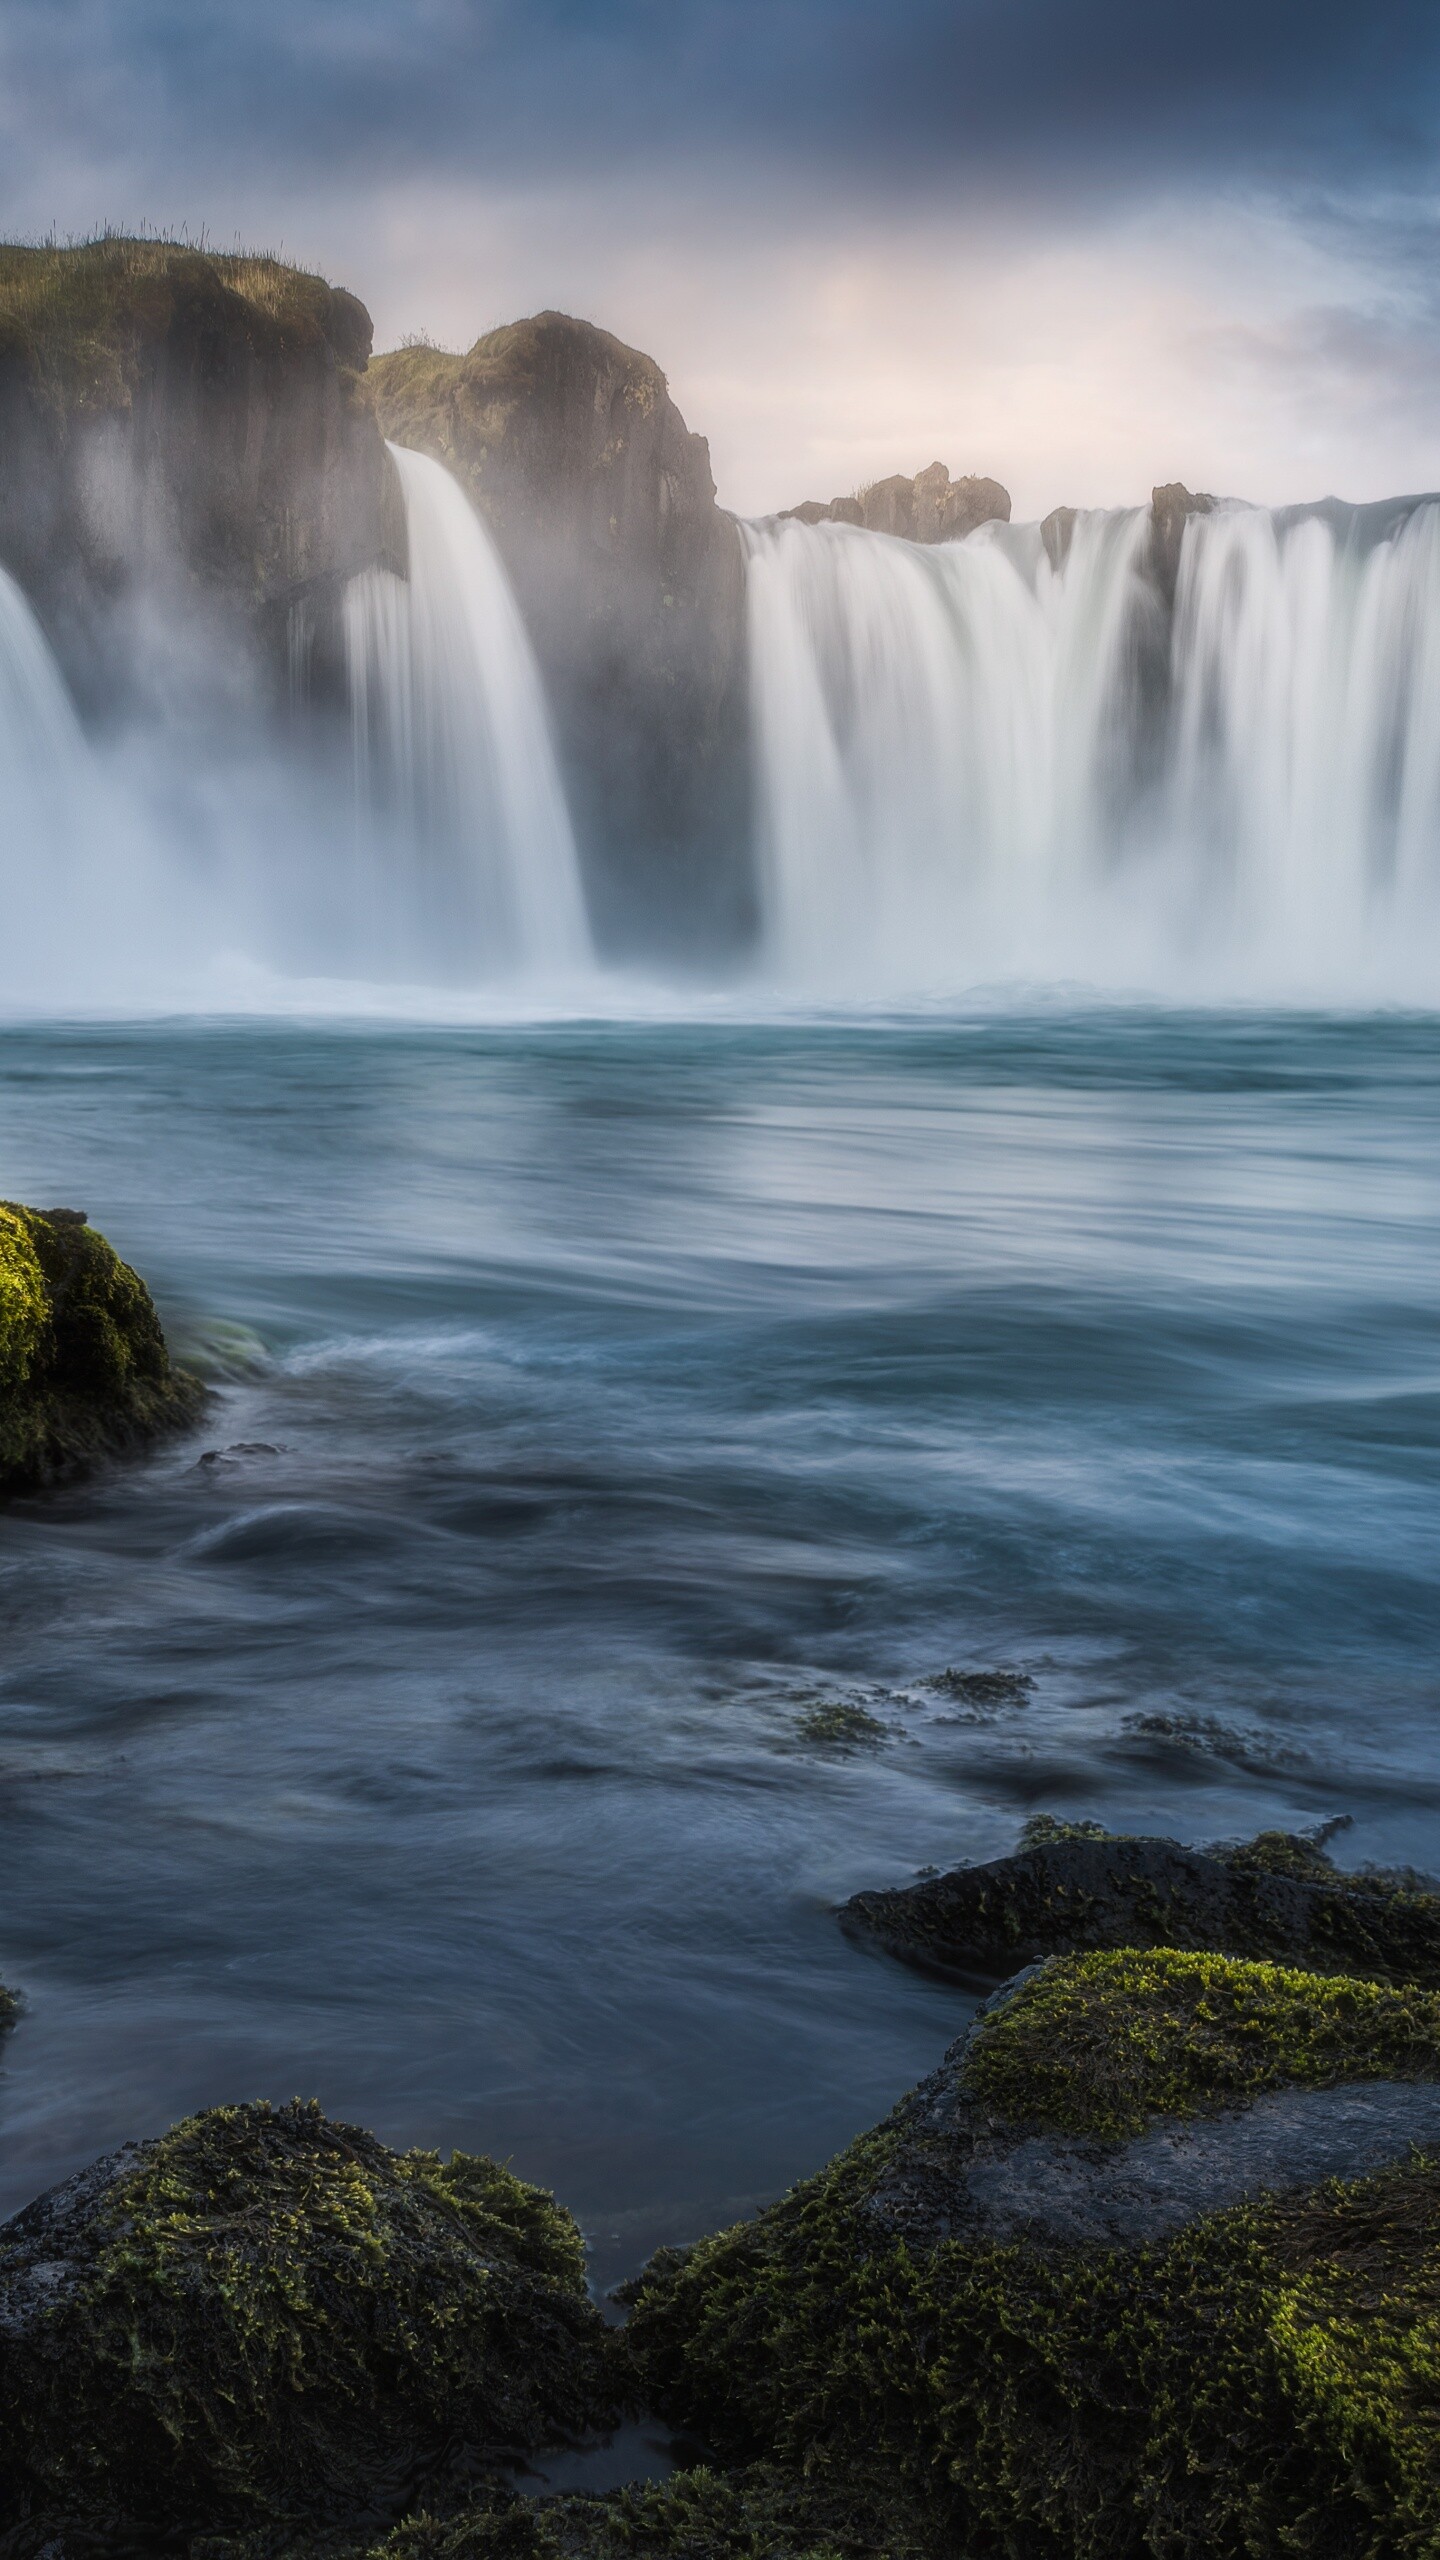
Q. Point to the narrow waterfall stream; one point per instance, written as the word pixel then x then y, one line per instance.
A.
pixel 975 764
pixel 476 871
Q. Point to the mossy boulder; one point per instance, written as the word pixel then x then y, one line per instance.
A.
pixel 1150 2265
pixel 759 2513
pixel 84 1372
pixel 1074 1886
pixel 266 2321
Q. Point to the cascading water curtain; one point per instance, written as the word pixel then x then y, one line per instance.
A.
pixel 470 868
pixel 975 764
pixel 1306 739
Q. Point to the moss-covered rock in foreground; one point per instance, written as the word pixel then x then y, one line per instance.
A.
pixel 1033 2318
pixel 1071 1887
pixel 761 2513
pixel 84 1372
pixel 265 2321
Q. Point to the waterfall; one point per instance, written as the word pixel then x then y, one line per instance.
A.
pixel 42 750
pixel 974 763
pixel 472 868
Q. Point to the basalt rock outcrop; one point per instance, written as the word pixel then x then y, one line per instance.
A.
pixel 84 1371
pixel 631 581
pixel 1077 1888
pixel 1171 508
pixel 1147 2265
pixel 189 471
pixel 930 508
pixel 264 2322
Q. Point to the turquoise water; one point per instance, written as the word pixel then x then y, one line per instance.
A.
pixel 435 1731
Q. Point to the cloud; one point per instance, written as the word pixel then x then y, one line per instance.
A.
pixel 923 94
pixel 1081 246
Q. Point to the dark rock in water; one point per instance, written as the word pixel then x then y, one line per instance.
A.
pixel 84 1372
pixel 631 580
pixel 265 2321
pixel 930 508
pixel 1147 2265
pixel 187 428
pixel 1170 509
pixel 1276 1897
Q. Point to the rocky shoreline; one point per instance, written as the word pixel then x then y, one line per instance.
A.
pixel 1146 2265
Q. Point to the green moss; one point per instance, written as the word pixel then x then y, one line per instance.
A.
pixel 838 1724
pixel 762 2513
pixel 1097 2044
pixel 24 1304
pixel 76 318
pixel 1045 1830
pixel 270 2316
pixel 1267 2383
pixel 83 1365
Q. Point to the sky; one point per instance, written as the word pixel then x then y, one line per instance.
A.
pixel 1083 245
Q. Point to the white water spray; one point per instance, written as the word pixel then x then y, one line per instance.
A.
pixel 472 865
pixel 975 766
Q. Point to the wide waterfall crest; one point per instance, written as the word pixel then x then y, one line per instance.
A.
pixel 472 862
pixel 978 764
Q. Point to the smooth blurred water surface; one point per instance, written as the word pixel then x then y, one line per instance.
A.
pixel 630 1391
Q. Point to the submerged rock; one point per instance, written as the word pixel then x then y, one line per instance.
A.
pixel 631 580
pixel 266 2320
pixel 1002 2304
pixel 1079 1887
pixel 84 1372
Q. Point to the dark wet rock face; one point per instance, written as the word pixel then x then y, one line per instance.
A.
pixel 1067 1894
pixel 265 2321
pixel 965 2165
pixel 1147 2265
pixel 185 441
pixel 1171 507
pixel 631 581
pixel 84 1371
pixel 930 508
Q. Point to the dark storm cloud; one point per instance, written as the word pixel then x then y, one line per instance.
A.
pixel 1039 92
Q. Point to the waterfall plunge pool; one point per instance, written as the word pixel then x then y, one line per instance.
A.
pixel 453 1729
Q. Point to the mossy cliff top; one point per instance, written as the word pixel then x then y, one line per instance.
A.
pixel 999 2319
pixel 84 1371
pixel 554 421
pixel 266 2320
pixel 78 319
pixel 189 430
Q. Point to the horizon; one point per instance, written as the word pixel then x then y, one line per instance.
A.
pixel 1052 247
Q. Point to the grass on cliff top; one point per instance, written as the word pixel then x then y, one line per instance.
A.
pixel 76 316
pixel 1096 2045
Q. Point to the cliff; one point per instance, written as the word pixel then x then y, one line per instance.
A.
pixel 631 581
pixel 930 508
pixel 186 425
